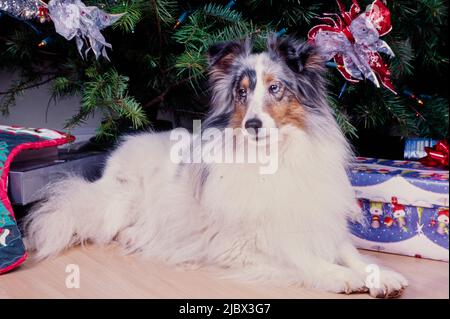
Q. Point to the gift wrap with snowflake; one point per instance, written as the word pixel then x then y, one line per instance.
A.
pixel 404 205
pixel 14 140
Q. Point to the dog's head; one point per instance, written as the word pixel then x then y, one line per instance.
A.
pixel 259 91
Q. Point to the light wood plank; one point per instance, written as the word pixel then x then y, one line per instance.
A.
pixel 105 273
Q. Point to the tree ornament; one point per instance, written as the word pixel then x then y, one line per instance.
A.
pixel 25 9
pixel 353 40
pixel 73 19
pixel 43 14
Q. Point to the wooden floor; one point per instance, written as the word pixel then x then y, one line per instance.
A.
pixel 104 273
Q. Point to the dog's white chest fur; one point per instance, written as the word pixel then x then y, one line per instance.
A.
pixel 289 210
pixel 238 191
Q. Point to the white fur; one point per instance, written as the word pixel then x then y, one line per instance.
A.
pixel 289 226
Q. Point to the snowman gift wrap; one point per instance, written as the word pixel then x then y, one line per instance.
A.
pixel 404 205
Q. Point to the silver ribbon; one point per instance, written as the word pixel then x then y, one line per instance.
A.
pixel 356 55
pixel 73 19
pixel 26 9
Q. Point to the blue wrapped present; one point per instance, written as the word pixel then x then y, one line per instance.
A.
pixel 404 206
pixel 415 147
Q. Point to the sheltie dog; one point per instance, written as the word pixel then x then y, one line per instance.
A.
pixel 288 224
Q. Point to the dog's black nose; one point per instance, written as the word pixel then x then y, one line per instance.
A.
pixel 253 125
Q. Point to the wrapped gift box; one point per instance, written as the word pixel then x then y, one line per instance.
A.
pixel 29 175
pixel 404 205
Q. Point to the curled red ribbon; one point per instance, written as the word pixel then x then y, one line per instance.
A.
pixel 437 156
pixel 352 39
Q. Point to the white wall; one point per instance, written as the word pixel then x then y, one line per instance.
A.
pixel 30 109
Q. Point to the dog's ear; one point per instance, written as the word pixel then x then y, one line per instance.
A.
pixel 222 55
pixel 306 63
pixel 299 56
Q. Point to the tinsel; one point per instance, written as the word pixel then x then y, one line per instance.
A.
pixel 27 9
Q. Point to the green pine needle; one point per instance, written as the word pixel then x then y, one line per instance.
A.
pixel 127 23
pixel 222 13
pixel 109 92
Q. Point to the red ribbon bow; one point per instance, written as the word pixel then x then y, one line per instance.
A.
pixel 437 156
pixel 356 54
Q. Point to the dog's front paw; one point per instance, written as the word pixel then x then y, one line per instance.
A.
pixel 390 284
pixel 342 280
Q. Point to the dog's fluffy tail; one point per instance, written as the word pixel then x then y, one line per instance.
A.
pixel 74 211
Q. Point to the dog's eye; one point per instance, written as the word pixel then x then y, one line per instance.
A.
pixel 274 88
pixel 242 92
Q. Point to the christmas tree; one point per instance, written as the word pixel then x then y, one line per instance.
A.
pixel 158 62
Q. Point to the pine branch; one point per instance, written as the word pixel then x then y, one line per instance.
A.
pixel 128 22
pixel 26 86
pixel 342 118
pixel 166 68
pixel 402 64
pixel 222 13
pixel 108 91
pixel 9 97
pixel 155 8
pixel 164 11
pixel 160 98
